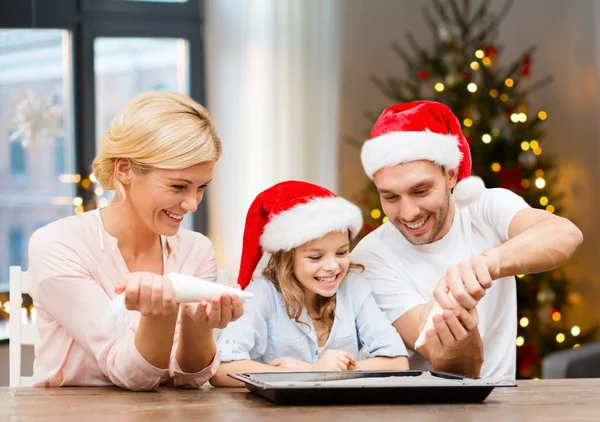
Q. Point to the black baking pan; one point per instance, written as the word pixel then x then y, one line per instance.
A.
pixel 362 387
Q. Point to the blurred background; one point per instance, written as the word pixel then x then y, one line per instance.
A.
pixel 293 87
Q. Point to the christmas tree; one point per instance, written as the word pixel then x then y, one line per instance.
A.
pixel 463 70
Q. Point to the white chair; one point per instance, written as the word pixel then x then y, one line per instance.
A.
pixel 20 333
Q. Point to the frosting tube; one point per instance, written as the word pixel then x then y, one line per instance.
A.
pixel 191 289
pixel 187 289
pixel 436 310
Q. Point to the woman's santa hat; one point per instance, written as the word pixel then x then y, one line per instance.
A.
pixel 290 214
pixel 422 130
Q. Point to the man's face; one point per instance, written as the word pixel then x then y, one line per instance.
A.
pixel 415 196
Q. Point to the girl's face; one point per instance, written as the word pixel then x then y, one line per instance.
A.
pixel 161 198
pixel 320 265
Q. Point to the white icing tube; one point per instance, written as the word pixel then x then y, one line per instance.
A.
pixel 436 310
pixel 191 289
pixel 187 289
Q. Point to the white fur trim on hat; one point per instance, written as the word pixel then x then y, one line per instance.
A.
pixel 402 147
pixel 468 190
pixel 308 221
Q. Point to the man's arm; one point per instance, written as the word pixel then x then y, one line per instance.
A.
pixel 538 241
pixel 455 346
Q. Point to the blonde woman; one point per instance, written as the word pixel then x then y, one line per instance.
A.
pixel 312 310
pixel 158 156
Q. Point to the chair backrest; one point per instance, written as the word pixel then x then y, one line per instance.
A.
pixel 582 362
pixel 20 332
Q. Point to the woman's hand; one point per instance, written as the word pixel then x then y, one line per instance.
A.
pixel 216 313
pixel 150 294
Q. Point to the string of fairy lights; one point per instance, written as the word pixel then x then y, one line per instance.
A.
pixel 518 117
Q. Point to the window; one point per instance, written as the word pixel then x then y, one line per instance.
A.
pixel 51 55
pixel 125 67
pixel 35 89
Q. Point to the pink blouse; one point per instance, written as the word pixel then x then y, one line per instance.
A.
pixel 74 266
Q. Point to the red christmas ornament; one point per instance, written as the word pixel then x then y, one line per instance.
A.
pixel 490 51
pixel 526 68
pixel 511 179
pixel 467 76
pixel 528 358
pixel 423 75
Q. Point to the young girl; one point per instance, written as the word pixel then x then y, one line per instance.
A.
pixel 311 309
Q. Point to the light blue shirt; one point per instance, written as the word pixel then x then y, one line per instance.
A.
pixel 265 331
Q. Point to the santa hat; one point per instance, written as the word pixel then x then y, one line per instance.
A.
pixel 290 214
pixel 422 130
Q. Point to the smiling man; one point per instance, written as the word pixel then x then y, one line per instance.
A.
pixel 452 241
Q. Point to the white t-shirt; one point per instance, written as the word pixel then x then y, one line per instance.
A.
pixel 404 275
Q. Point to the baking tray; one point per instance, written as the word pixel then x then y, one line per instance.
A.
pixel 362 387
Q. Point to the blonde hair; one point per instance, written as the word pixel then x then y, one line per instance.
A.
pixel 280 271
pixel 163 130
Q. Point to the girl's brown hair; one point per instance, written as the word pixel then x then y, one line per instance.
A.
pixel 280 271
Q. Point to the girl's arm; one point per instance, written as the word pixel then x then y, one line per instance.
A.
pixel 221 379
pixel 382 345
pixel 380 363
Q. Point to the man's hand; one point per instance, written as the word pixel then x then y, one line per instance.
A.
pixel 455 345
pixel 467 281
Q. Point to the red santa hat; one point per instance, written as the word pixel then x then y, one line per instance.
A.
pixel 290 214
pixel 422 130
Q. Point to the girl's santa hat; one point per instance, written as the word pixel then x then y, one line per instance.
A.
pixel 290 214
pixel 422 130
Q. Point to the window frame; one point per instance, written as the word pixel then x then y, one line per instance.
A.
pixel 89 19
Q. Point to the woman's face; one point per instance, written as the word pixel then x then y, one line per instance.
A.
pixel 161 198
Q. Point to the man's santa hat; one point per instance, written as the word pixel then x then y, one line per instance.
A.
pixel 422 130
pixel 290 214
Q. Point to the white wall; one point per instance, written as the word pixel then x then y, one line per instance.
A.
pixel 568 48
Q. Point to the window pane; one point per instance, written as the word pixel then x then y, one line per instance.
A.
pixel 36 149
pixel 125 67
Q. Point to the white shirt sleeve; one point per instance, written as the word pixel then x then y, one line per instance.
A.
pixel 392 291
pixel 497 209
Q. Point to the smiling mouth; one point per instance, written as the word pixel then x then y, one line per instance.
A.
pixel 327 280
pixel 415 227
pixel 173 216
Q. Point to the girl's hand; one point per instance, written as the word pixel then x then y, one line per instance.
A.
pixel 216 313
pixel 291 363
pixel 335 360
pixel 148 293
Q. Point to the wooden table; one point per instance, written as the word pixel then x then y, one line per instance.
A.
pixel 545 400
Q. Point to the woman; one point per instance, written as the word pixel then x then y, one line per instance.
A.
pixel 158 156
